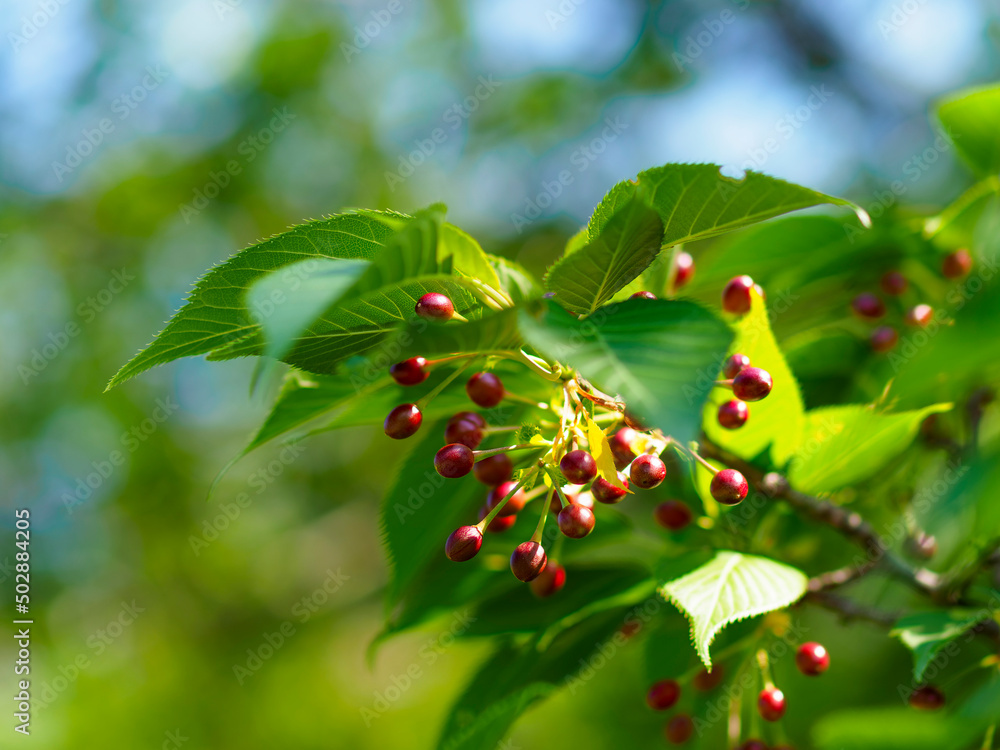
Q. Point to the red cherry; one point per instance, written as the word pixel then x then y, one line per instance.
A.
pixel 485 389
pixel 752 384
pixel 919 315
pixel 733 414
pixel 605 492
pixel 464 543
pixel 663 695
pixel 884 338
pixel 771 704
pixel 736 297
pixel 893 283
pixel 683 269
pixel 957 264
pixel 454 460
pixel 464 432
pixel 734 364
pixel 528 561
pixel 549 581
pixel 403 421
pixel 867 305
pixel 578 466
pixel 672 515
pixel 410 371
pixel 493 470
pixel 576 521
pixel 499 524
pixel 927 698
pixel 511 507
pixel 643 295
pixel 621 447
pixel 729 487
pixel 812 659
pixel 706 680
pixel 434 306
pixel 648 471
pixel 679 729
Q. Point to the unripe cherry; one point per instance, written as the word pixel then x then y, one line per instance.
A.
pixel 464 543
pixel 578 466
pixel 454 460
pixel 752 384
pixel 737 297
pixel 528 561
pixel 434 306
pixel 403 421
pixel 605 492
pixel 647 471
pixel 485 389
pixel 494 470
pixel 733 414
pixel 729 487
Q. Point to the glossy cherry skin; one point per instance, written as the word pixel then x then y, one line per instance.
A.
pixel 605 492
pixel 469 416
pixel 454 460
pixel 672 515
pixel 576 521
pixel 549 581
pixel 528 561
pixel 485 389
pixel 410 371
pixel 621 447
pixel 729 487
pixel 752 384
pixel 957 264
pixel 812 659
pixel 643 295
pixel 735 363
pixel 733 414
pixel 737 297
pixel 434 306
pixel 663 695
pixel 919 315
pixel 494 470
pixel 464 432
pixel 464 543
pixel 647 471
pixel 771 704
pixel 403 421
pixel 578 466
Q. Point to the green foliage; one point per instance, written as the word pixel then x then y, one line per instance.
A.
pixel 970 117
pixel 729 588
pixel 926 633
pixel 655 353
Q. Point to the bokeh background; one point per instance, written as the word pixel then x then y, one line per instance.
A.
pixel 142 142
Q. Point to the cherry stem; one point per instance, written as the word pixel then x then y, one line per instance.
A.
pixel 524 400
pixel 725 383
pixel 479 455
pixel 540 528
pixel 764 664
pixel 988 739
pixel 488 519
pixel 434 362
pixel 684 449
pixel 556 485
pixel 508 428
pixel 427 398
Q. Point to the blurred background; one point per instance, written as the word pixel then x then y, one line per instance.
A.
pixel 141 143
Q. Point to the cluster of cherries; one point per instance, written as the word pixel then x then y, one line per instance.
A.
pixel 870 307
pixel 571 473
pixel 812 659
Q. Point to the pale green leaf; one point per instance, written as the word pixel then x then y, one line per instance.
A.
pixel 732 587
pixel 972 121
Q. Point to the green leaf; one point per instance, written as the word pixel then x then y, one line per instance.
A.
pixel 844 445
pixel 695 201
pixel 732 587
pixel 926 633
pixel 660 355
pixel 492 332
pixel 215 316
pixel 518 676
pixel 888 729
pixel 466 255
pixel 972 120
pixel 515 280
pixel 775 421
pixel 585 279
